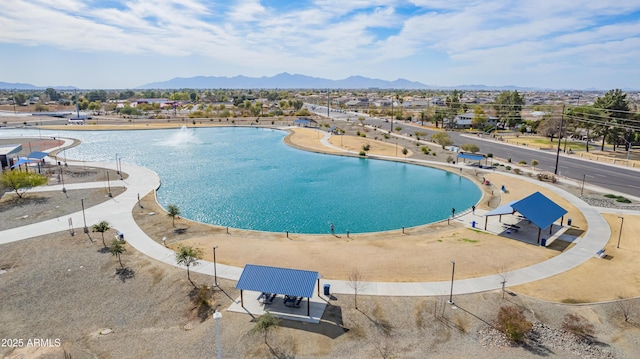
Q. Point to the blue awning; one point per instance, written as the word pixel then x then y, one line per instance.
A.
pixel 292 282
pixel 539 209
pixel 22 161
pixel 37 155
pixel 471 157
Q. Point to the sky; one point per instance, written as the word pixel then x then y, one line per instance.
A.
pixel 91 44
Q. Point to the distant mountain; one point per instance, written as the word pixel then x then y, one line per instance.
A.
pixel 21 86
pixel 284 81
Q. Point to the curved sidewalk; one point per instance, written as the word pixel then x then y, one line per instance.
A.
pixel 118 211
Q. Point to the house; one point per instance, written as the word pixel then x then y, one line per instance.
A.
pixel 465 120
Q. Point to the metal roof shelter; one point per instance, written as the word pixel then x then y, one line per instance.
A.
pixel 469 156
pixel 7 152
pixel 286 281
pixel 37 155
pixel 536 207
pixel 305 122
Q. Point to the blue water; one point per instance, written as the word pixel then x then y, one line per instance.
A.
pixel 249 178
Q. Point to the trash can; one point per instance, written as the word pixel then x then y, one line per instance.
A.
pixel 569 222
pixel 120 235
pixel 326 289
pixel 473 224
pixel 543 242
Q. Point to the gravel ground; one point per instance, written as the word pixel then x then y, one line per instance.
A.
pixel 65 288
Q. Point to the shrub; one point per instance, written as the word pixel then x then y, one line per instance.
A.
pixel 623 200
pixel 508 168
pixel 513 323
pixel 362 153
pixel 386 136
pixel 363 135
pixel 523 162
pixel 366 147
pixel 578 325
pixel 357 133
pixel 517 171
pixel 509 159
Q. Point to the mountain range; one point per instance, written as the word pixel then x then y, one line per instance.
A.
pixel 294 81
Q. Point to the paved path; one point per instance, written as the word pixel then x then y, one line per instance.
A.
pixel 141 181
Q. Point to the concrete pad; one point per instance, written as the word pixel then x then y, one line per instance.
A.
pixel 255 308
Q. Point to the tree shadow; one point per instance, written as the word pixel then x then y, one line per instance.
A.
pixel 382 325
pixel 103 250
pixel 180 230
pixel 125 273
pixel 23 202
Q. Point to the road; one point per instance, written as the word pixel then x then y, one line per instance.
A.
pixel 615 178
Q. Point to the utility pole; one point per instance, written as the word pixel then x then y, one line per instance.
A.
pixel 559 141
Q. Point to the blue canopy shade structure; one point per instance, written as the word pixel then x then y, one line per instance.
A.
pixel 22 161
pixel 305 122
pixel 37 155
pixel 469 156
pixel 276 280
pixel 539 209
pixel 536 207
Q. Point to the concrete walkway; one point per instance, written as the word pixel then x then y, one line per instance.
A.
pixel 141 181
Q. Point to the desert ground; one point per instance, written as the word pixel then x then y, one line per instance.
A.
pixel 85 291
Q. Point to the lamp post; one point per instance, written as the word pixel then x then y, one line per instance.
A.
pixel 559 141
pixel 582 187
pixel 620 234
pixel 453 272
pixel 217 315
pixel 109 185
pixel 215 270
pixel 84 219
pixel 64 190
pixel 117 168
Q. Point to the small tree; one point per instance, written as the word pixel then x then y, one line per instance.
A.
pixel 513 323
pixel 356 282
pixel 20 182
pixel 578 325
pixel 404 152
pixel 265 324
pixel 443 139
pixel 534 163
pixel 173 211
pixel 188 256
pixel 470 147
pixel 102 227
pixel 117 248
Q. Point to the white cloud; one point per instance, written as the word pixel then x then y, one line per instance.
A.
pixel 330 36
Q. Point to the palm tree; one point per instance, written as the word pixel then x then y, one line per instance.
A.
pixel 188 256
pixel 117 248
pixel 102 227
pixel 173 211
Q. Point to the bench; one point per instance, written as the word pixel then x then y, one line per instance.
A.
pixel 510 227
pixel 601 253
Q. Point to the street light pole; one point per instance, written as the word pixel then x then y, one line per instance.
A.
pixel 84 219
pixel 109 185
pixel 620 234
pixel 582 187
pixel 453 272
pixel 217 315
pixel 559 141
pixel 215 270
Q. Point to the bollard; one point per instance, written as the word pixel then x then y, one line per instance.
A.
pixel 402 230
pixel 227 229
pixel 347 233
pixel 287 234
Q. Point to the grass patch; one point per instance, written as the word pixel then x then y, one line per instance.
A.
pixel 470 240
pixel 574 301
pixel 621 199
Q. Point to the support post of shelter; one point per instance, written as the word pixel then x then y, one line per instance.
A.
pixel 539 231
pixel 551 228
pixel 486 219
pixel 308 307
pixel 561 220
pixel 241 299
